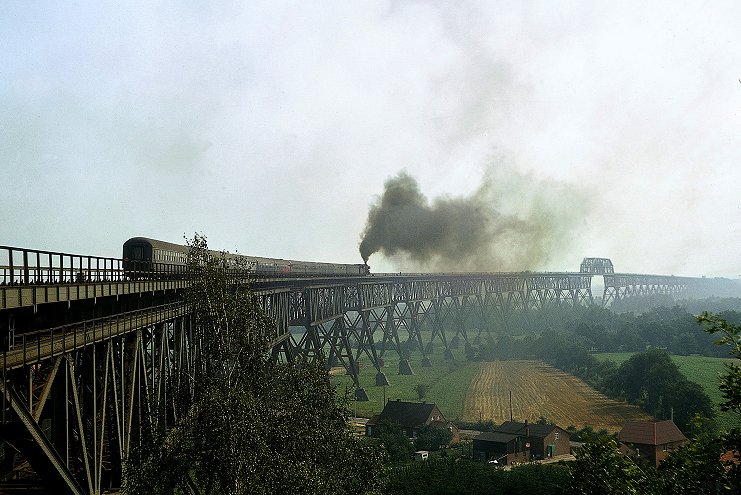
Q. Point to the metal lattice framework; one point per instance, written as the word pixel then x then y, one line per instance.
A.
pixel 75 397
pixel 374 315
pixel 628 286
pixel 90 354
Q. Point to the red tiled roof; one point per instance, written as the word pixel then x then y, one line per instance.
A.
pixel 732 456
pixel 650 433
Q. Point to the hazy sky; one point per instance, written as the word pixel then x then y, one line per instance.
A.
pixel 272 126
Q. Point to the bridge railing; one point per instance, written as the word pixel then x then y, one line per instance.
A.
pixel 21 266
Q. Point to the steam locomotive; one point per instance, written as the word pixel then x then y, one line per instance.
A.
pixel 143 256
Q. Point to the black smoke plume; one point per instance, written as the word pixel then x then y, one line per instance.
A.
pixel 505 225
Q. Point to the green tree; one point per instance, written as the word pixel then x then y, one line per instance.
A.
pixel 245 423
pixel 459 476
pixel 398 447
pixel 421 390
pixel 730 386
pixel 730 334
pixel 652 380
pixel 431 437
pixel 695 469
pixel 600 469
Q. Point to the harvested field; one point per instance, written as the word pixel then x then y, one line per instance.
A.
pixel 539 389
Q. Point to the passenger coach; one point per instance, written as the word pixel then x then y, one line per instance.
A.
pixel 143 256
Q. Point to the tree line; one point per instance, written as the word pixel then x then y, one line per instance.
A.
pixel 710 463
pixel 672 327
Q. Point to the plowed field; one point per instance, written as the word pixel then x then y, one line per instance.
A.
pixel 539 389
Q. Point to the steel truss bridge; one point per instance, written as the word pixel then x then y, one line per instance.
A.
pixel 89 353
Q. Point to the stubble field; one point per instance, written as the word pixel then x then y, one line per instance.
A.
pixel 539 389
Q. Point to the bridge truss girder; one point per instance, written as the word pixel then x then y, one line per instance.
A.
pixel 393 313
pixel 77 399
pixel 86 393
pixel 620 287
pixel 76 416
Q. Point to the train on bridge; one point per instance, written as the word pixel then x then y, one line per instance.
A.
pixel 142 255
pixel 90 345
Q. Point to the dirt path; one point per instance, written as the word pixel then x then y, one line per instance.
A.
pixel 539 389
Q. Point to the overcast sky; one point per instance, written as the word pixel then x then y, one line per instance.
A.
pixel 272 126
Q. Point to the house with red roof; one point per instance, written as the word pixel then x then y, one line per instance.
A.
pixel 730 459
pixel 650 441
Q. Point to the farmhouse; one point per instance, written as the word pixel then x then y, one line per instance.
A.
pixel 545 440
pixel 411 416
pixel 502 448
pixel 521 441
pixel 651 441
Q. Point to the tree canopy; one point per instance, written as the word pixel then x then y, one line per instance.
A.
pixel 395 443
pixel 652 380
pixel 246 423
pixel 432 437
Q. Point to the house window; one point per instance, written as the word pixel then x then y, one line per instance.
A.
pixel 555 435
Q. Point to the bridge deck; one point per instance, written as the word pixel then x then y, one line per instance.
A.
pixel 37 346
pixel 19 296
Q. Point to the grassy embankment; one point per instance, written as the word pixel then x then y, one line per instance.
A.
pixel 700 369
pixel 448 382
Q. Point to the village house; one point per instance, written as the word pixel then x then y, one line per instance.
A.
pixel 500 448
pixel 651 441
pixel 412 416
pixel 514 442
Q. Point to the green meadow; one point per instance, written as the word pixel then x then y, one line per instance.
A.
pixel 702 370
pixel 448 382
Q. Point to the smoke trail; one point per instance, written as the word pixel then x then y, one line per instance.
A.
pixel 511 222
